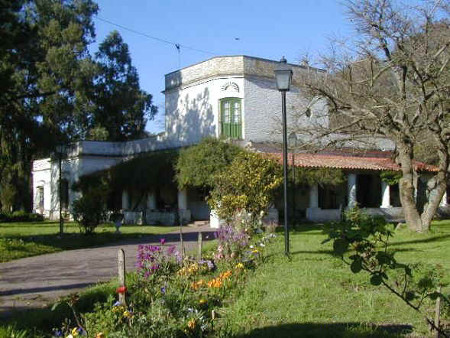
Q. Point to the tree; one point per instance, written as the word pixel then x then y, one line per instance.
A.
pixel 44 68
pixel 392 81
pixel 121 107
pixel 198 166
pixel 248 184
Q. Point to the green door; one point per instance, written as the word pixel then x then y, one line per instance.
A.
pixel 231 122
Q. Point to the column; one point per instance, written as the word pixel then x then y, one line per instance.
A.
pixel 314 196
pixel 151 201
pixel 183 212
pixel 182 200
pixel 125 200
pixel 313 207
pixel 351 190
pixel 386 195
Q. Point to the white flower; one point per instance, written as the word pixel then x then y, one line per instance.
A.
pixel 251 246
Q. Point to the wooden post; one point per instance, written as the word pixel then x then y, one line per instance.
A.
pixel 181 242
pixel 121 270
pixel 200 245
pixel 437 315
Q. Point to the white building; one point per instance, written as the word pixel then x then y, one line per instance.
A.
pixel 235 97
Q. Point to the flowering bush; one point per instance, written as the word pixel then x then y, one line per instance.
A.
pixel 155 259
pixel 170 297
pixel 232 242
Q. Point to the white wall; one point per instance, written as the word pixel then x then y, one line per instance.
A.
pixel 192 112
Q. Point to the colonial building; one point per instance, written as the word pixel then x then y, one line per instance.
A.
pixel 233 97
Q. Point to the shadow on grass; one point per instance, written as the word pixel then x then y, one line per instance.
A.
pixel 425 240
pixel 330 330
pixel 44 319
pixel 78 241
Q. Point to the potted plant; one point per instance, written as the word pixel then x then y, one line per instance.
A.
pixel 117 218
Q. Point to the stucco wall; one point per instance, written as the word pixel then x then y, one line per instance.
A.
pixel 192 112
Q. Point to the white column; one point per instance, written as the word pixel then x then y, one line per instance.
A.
pixel 386 195
pixel 151 201
pixel 182 199
pixel 125 200
pixel 314 196
pixel 444 202
pixel 214 220
pixel 351 190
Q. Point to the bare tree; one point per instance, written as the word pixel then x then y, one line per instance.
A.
pixel 392 81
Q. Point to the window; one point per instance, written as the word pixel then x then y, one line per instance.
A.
pixel 231 121
pixel 40 198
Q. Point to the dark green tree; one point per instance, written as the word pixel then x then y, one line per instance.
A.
pixel 122 108
pixel 44 70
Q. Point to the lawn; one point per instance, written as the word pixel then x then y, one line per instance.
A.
pixel 19 240
pixel 316 295
pixel 313 294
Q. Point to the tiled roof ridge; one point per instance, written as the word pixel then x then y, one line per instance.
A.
pixel 314 160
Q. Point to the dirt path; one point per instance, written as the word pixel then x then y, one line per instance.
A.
pixel 35 282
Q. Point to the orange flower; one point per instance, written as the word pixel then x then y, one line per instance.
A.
pixel 215 283
pixel 191 324
pixel 196 285
pixel 225 274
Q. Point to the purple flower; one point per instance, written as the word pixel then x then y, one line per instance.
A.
pixel 162 241
pixel 163 290
pixel 171 250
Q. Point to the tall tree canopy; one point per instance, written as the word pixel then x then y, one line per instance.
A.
pixel 53 91
pixel 44 67
pixel 394 82
pixel 121 107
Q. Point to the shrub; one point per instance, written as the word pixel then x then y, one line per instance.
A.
pixel 90 210
pixel 20 216
pixel 249 183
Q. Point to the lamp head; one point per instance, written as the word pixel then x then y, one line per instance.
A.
pixel 283 75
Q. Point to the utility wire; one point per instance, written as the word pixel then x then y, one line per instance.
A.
pixel 176 45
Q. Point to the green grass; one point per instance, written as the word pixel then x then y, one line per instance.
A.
pixel 312 295
pixel 19 240
pixel 316 295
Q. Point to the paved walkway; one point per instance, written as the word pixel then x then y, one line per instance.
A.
pixel 35 282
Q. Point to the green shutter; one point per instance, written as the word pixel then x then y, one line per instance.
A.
pixel 231 118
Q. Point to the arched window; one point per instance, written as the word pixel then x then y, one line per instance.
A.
pixel 231 120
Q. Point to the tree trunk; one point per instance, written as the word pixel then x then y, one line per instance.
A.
pixel 407 189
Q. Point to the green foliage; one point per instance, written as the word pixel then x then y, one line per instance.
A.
pixel 362 242
pixel 197 166
pixel 20 216
pixel 90 209
pixel 122 109
pixel 140 174
pixel 391 177
pixel 44 68
pixel 321 176
pixel 248 183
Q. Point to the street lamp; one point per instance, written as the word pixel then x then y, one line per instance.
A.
pixel 61 150
pixel 283 76
pixel 293 146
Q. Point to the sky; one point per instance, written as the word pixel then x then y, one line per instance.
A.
pixel 208 28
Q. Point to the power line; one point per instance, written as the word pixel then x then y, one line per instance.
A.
pixel 175 44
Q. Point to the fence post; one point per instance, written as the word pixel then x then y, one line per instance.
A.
pixel 200 245
pixel 121 271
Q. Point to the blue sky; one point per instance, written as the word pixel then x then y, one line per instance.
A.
pixel 267 29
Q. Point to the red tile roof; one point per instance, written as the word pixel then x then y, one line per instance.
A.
pixel 340 161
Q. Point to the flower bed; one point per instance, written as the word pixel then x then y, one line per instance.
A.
pixel 173 296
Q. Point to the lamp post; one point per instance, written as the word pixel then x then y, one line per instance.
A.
pixel 60 149
pixel 293 146
pixel 283 75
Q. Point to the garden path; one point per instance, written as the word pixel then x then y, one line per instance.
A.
pixel 35 282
